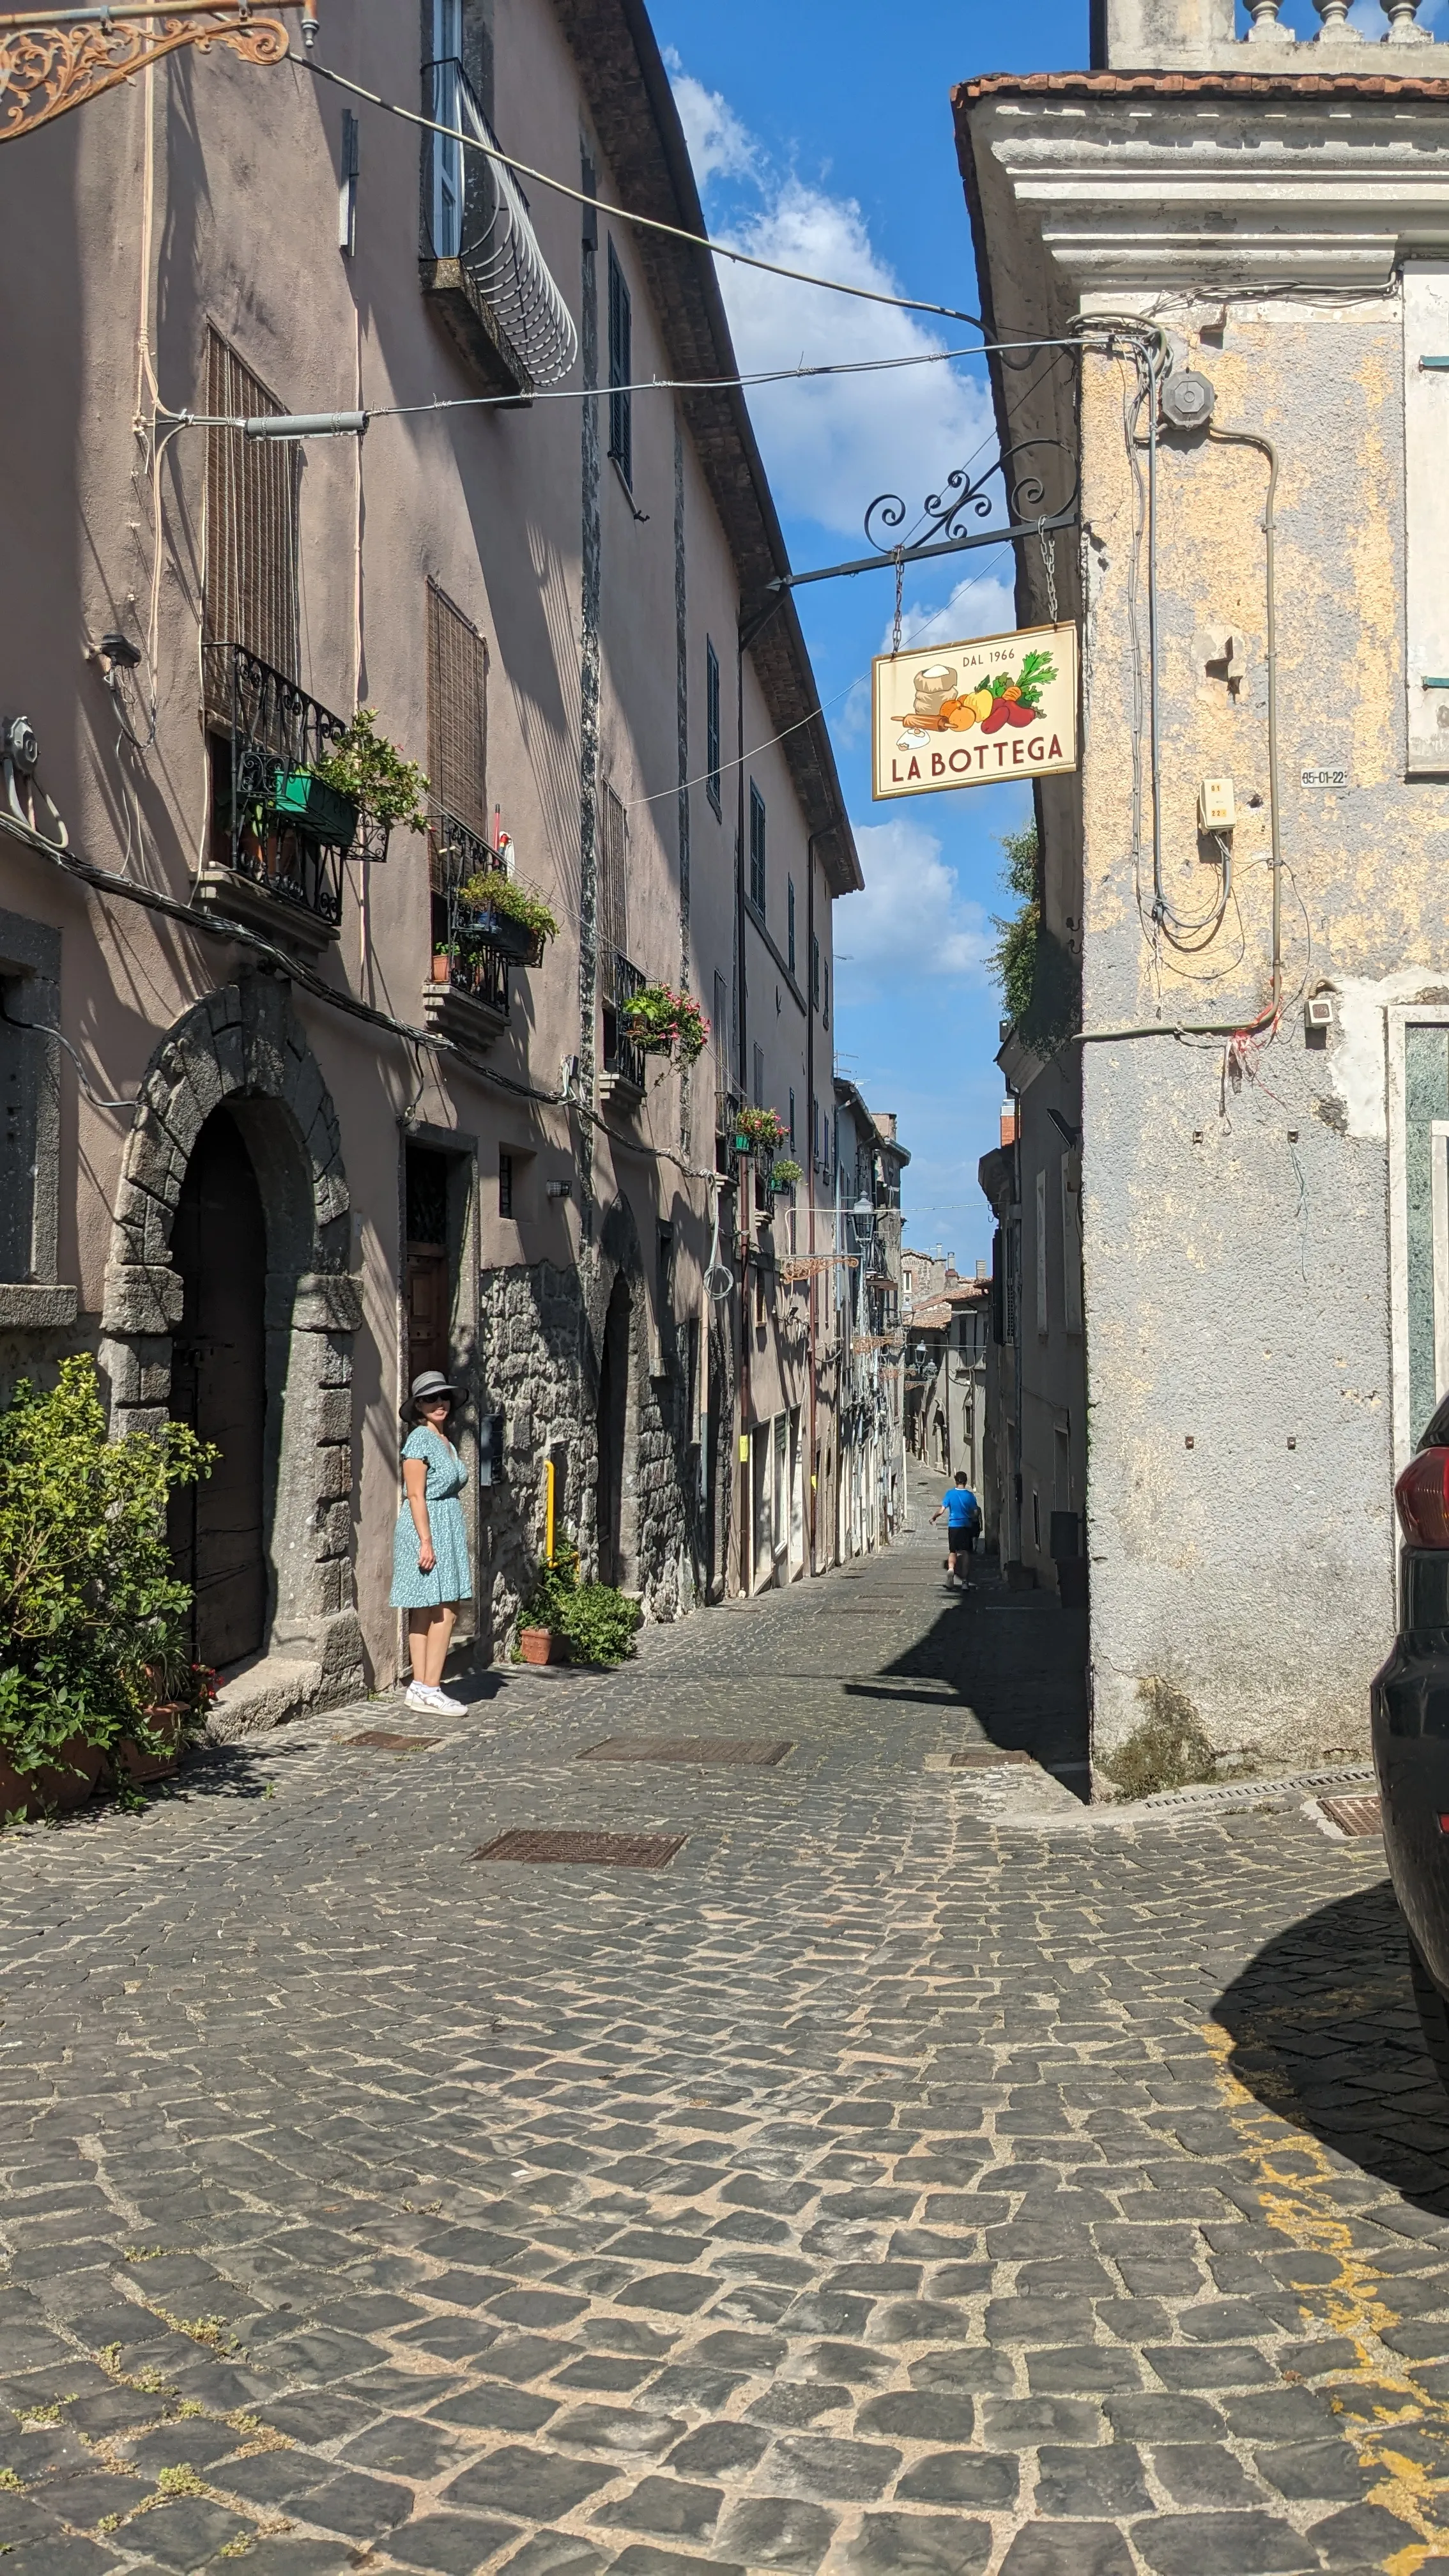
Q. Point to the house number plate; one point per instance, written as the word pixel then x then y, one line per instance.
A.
pixel 1323 778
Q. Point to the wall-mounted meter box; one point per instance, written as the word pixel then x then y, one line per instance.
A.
pixel 490 1449
pixel 1216 811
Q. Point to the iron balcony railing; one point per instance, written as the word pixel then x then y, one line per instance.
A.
pixel 478 214
pixel 270 822
pixel 474 966
pixel 621 1055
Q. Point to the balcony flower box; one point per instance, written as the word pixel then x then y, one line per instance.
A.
pixel 758 1131
pixel 512 939
pixel 306 800
pixel 660 1021
pixel 508 916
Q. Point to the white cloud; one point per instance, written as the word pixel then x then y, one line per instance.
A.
pixel 910 920
pixel 981 603
pixel 720 147
pixel 832 444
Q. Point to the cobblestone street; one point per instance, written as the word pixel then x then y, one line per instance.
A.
pixel 918 2172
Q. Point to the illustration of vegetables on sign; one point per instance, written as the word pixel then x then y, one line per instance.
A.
pixel 961 715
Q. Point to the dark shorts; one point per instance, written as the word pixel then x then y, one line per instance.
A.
pixel 960 1541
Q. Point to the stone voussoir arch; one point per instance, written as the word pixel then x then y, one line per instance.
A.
pixel 242 1047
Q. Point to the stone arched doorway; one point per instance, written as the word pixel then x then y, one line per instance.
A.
pixel 613 1435
pixel 218 1526
pixel 233 1104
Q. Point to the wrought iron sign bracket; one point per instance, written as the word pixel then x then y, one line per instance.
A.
pixel 941 514
pixel 52 60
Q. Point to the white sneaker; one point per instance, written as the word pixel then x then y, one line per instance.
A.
pixel 416 1696
pixel 438 1699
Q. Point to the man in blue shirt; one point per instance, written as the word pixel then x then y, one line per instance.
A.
pixel 963 1520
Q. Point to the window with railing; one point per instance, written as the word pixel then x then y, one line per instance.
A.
pixel 465 959
pixel 271 819
pixel 622 1057
pixel 476 215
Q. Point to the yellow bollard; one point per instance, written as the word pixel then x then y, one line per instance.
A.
pixel 548 1510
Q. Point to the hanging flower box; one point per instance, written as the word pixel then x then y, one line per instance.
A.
pixel 660 1021
pixel 783 1176
pixel 508 916
pixel 758 1131
pixel 303 798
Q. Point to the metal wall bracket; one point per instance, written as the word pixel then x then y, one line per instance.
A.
pixel 56 59
pixel 938 522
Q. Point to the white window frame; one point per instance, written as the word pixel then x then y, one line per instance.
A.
pixel 447 109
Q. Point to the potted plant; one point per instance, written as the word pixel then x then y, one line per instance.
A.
pixel 541 1638
pixel 565 1620
pixel 758 1131
pixel 184 1694
pixel 512 917
pixel 362 776
pixel 663 1022
pixel 784 1175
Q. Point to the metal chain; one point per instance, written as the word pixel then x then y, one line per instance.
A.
pixel 1048 547
pixel 900 593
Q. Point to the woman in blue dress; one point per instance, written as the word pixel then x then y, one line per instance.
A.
pixel 430 1574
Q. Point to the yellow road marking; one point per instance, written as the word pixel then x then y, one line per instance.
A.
pixel 1293 2176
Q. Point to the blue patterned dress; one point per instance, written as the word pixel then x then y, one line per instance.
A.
pixel 450 1579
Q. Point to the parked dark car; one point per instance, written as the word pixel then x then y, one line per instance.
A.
pixel 1410 1704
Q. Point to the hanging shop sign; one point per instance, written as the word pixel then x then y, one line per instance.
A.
pixel 965 715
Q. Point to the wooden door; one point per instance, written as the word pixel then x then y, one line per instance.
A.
pixel 218 1385
pixel 427 1308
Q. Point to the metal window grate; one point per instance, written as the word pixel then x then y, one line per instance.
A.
pixel 613 909
pixel 604 1851
pixel 457 716
pixel 251 522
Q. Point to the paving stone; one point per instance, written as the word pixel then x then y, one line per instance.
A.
pixel 527 2483
pixel 555 2553
pixel 86 2500
pixel 774 2531
pixel 1201 2473
pixel 1068 2549
pixel 453 2544
pixel 814 2464
pixel 1306 2469
pixel 793 2406
pixel 644 2558
pixel 961 2477
pixel 671 2506
pixel 1221 2544
pixel 191 2529
pixel 613 2429
pixel 919 2415
pixel 903 2544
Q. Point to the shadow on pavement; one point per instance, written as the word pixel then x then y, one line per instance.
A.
pixel 1017 1660
pixel 1325 2033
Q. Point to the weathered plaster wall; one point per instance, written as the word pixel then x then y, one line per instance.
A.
pixel 1236 1208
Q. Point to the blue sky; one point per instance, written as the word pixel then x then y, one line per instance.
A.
pixel 822 140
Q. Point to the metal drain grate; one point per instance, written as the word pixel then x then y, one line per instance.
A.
pixel 986 1757
pixel 378 1740
pixel 745 1752
pixel 1353 1815
pixel 598 1851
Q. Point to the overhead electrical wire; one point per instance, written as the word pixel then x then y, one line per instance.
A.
pixel 623 215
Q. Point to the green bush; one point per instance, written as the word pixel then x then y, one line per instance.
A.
pixel 595 1621
pixel 93 1622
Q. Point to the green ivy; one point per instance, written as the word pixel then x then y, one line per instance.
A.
pixel 92 1617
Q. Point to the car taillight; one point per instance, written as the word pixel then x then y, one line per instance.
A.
pixel 1421 1498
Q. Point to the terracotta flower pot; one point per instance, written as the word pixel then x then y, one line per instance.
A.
pixel 541 1646
pixel 56 1786
pixel 166 1718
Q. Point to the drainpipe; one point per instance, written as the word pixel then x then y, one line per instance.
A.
pixel 744 1195
pixel 812 1506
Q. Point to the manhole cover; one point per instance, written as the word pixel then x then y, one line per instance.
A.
pixel 377 1739
pixel 744 1751
pixel 601 1851
pixel 985 1757
pixel 1353 1815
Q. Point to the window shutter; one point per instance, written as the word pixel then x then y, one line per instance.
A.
pixel 251 522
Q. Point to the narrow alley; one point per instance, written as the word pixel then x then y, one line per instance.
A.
pixel 888 2163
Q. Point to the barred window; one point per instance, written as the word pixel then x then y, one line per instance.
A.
pixel 790 925
pixel 251 520
pixel 457 716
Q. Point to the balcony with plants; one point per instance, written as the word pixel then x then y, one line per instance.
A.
pixel 484 921
pixel 296 792
pixel 625 1068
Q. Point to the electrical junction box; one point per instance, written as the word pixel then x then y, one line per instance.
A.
pixel 1216 811
pixel 490 1449
pixel 1318 1011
